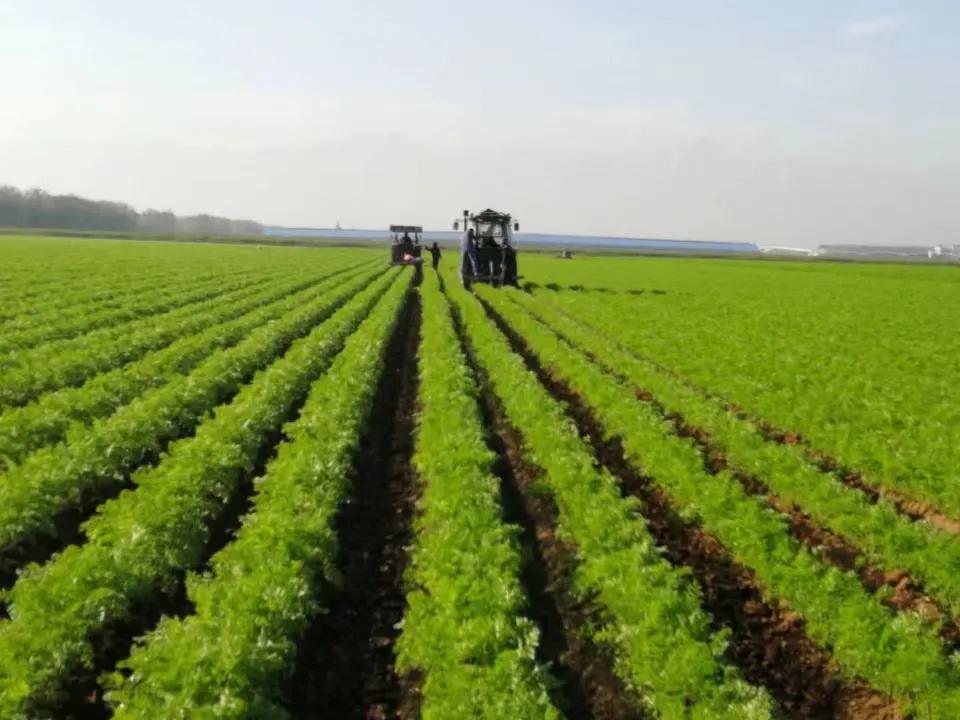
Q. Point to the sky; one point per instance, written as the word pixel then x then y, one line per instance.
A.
pixel 770 122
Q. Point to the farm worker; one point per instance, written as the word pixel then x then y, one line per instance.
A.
pixel 508 263
pixel 435 254
pixel 508 237
pixel 406 245
pixel 468 254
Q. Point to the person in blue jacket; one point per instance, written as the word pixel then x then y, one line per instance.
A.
pixel 468 256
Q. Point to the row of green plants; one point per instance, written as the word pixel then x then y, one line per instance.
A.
pixel 46 420
pixel 97 458
pixel 465 631
pixel 899 654
pixel 49 280
pixel 54 281
pixel 886 537
pixel 191 295
pixel 651 616
pixel 229 657
pixel 18 340
pixel 140 543
pixel 71 362
pixel 35 305
pixel 43 295
pixel 859 360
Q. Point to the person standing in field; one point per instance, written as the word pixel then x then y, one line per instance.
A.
pixel 435 254
pixel 468 255
pixel 406 246
pixel 508 263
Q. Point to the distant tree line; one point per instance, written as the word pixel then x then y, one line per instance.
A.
pixel 40 209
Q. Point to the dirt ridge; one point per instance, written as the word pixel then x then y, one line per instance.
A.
pixel 768 643
pixel 589 689
pixel 345 664
pixel 907 594
pixel 910 507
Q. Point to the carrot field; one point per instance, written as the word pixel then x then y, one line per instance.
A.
pixel 245 482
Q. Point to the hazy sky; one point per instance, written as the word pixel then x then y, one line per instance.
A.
pixel 773 122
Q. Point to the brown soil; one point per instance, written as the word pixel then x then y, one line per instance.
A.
pixel 66 525
pixel 589 688
pixel 905 594
pixel 915 509
pixel 345 666
pixel 768 642
pixel 912 508
pixel 84 697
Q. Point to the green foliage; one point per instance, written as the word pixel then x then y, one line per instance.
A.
pixel 901 655
pixel 664 647
pixel 886 537
pixel 228 658
pixel 20 336
pixel 47 419
pixel 176 366
pixel 860 358
pixel 137 543
pixel 97 458
pixel 27 374
pixel 464 629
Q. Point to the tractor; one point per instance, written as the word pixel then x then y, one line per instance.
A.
pixel 487 252
pixel 407 250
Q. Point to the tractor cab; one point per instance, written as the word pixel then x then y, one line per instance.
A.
pixel 405 248
pixel 488 255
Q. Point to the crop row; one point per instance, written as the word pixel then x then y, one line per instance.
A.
pixel 70 362
pixel 664 647
pixel 49 296
pixel 151 302
pixel 139 542
pixel 48 300
pixel 230 655
pixel 887 537
pixel 46 420
pixel 464 630
pixel 14 357
pixel 96 459
pixel 883 463
pixel 901 654
pixel 858 361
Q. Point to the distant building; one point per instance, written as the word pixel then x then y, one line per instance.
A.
pixel 780 250
pixel 944 252
pixel 875 251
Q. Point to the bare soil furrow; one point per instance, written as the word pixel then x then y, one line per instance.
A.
pixel 910 507
pixel 588 686
pixel 768 641
pixel 904 593
pixel 345 667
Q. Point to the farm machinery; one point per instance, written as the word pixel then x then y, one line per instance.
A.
pixel 407 250
pixel 487 253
